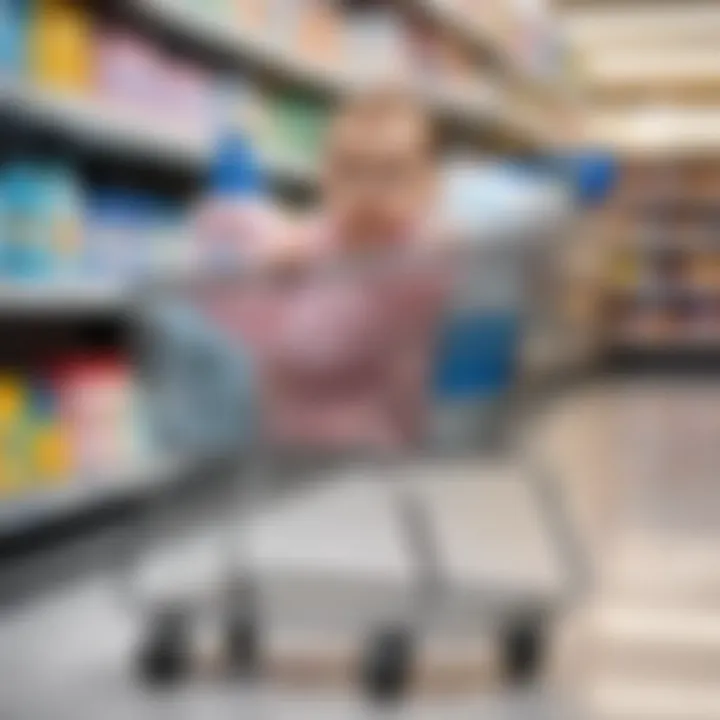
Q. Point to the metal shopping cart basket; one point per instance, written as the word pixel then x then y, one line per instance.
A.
pixel 449 323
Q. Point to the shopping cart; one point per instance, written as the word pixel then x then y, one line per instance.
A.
pixel 450 330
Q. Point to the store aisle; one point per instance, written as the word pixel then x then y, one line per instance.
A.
pixel 640 464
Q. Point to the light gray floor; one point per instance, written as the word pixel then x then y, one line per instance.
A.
pixel 66 657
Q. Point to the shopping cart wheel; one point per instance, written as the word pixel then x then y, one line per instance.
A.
pixel 165 655
pixel 242 627
pixel 388 663
pixel 243 645
pixel 523 649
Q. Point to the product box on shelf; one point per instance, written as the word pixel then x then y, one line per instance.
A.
pixel 65 199
pixel 79 419
pixel 61 46
pixel 13 403
pixel 25 221
pixel 298 125
pixel 184 97
pixel 51 459
pixel 96 404
pixel 127 69
pixel 35 444
pixel 129 232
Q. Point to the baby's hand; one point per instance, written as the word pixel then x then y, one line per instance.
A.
pixel 289 251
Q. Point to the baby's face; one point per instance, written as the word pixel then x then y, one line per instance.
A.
pixel 379 178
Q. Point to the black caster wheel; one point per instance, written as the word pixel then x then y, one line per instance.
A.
pixel 242 628
pixel 523 650
pixel 165 655
pixel 243 645
pixel 388 665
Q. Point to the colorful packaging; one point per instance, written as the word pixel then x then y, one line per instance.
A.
pixel 115 225
pixel 50 457
pixel 298 126
pixel 95 400
pixel 232 222
pixel 66 207
pixel 187 93
pixel 13 451
pixel 25 250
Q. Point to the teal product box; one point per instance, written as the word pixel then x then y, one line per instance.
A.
pixel 14 16
pixel 26 253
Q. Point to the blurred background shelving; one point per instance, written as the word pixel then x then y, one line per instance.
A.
pixel 110 111
pixel 664 276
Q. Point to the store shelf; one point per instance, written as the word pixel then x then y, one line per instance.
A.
pixel 474 32
pixel 681 356
pixel 117 131
pixel 81 495
pixel 59 299
pixel 680 291
pixel 478 33
pixel 103 126
pixel 199 26
pixel 482 106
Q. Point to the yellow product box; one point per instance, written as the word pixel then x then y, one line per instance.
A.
pixel 13 401
pixel 13 458
pixel 50 454
pixel 13 478
pixel 61 45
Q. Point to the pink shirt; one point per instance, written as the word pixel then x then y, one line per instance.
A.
pixel 344 351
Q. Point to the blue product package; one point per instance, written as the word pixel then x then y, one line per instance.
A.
pixel 476 355
pixel 13 36
pixel 475 366
pixel 25 249
pixel 115 216
pixel 65 211
pixel 201 390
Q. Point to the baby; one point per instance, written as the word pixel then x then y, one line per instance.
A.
pixel 344 341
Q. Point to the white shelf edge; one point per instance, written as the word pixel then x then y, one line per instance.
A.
pixel 24 512
pixel 62 298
